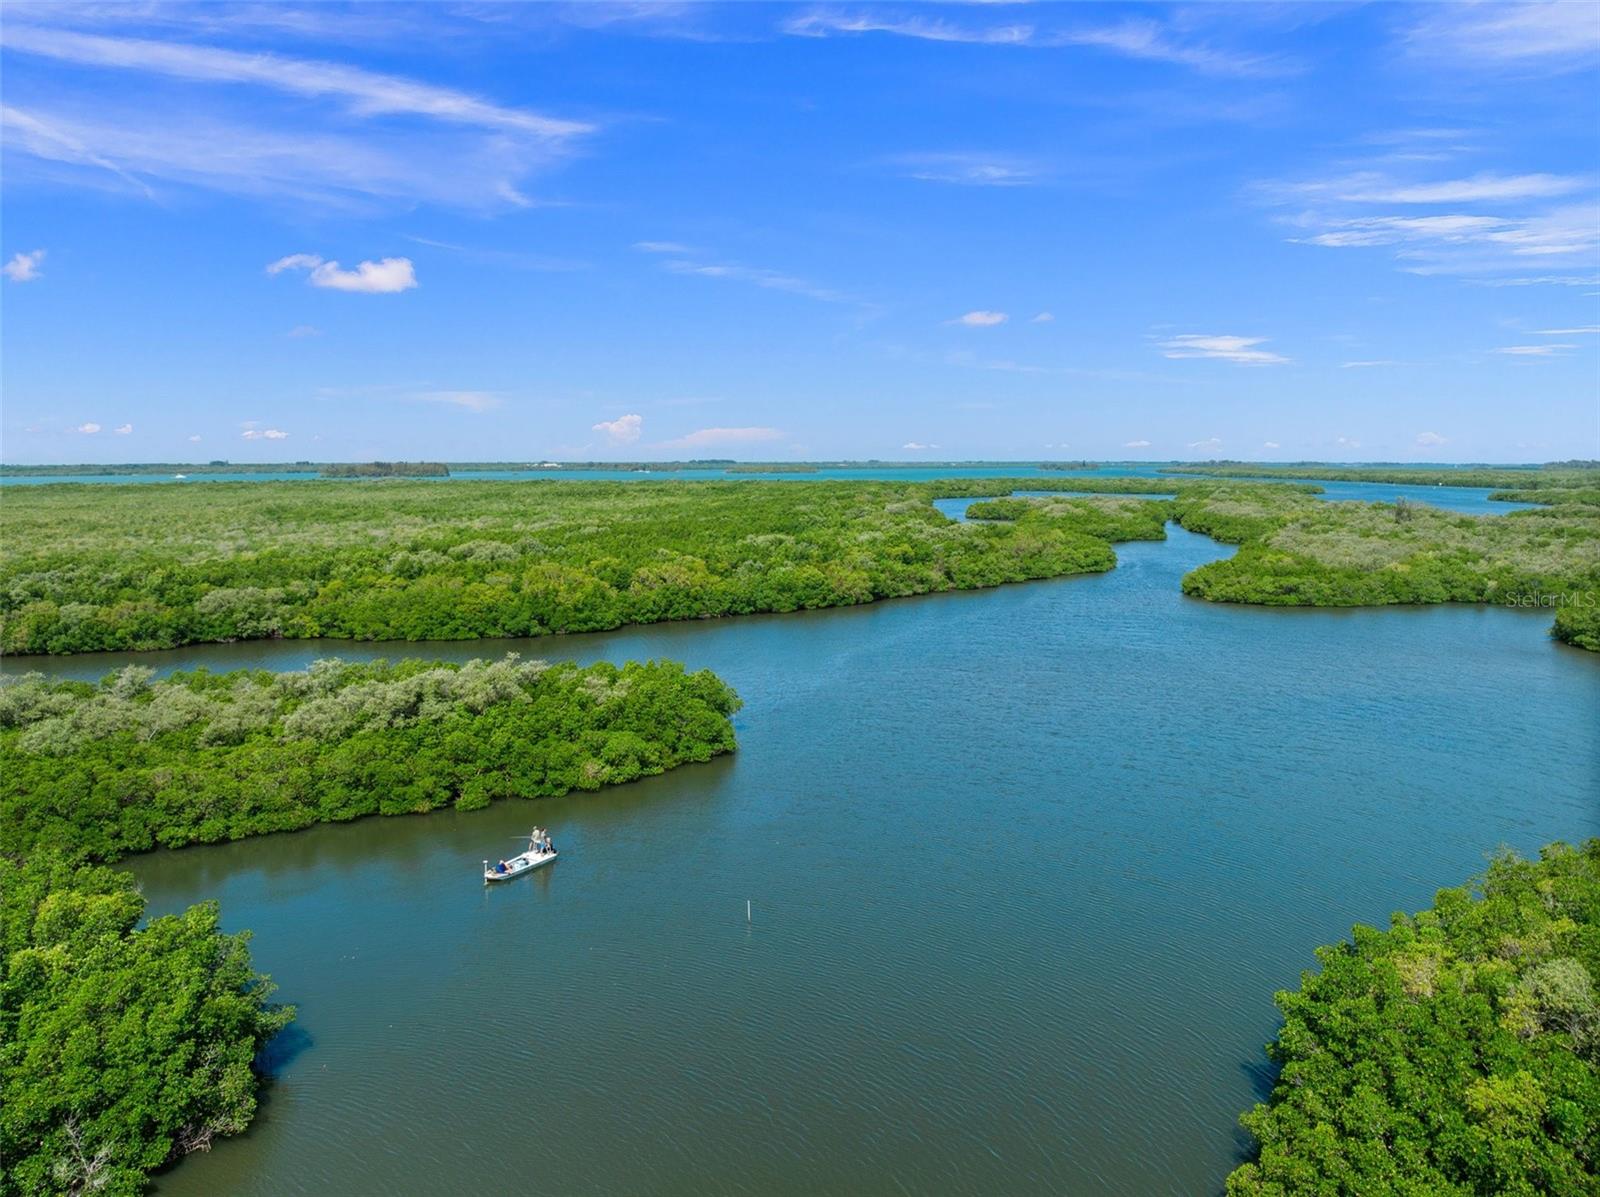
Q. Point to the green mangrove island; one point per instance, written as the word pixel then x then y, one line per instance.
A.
pixel 130 764
pixel 1456 1054
pixel 122 1049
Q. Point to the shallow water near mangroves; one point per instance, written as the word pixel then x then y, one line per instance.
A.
pixel 1025 867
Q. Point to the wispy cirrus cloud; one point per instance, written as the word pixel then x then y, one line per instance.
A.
pixel 1548 350
pixel 702 266
pixel 473 401
pixel 1550 33
pixel 971 169
pixel 1241 351
pixel 704 438
pixel 305 129
pixel 1134 37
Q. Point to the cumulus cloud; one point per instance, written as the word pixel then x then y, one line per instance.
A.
pixel 373 278
pixel 1043 318
pixel 624 430
pixel 1429 439
pixel 88 429
pixel 123 429
pixel 194 440
pixel 264 434
pixel 703 437
pixel 917 446
pixel 1210 445
pixel 981 319
pixel 1241 351
pixel 1136 445
pixel 23 267
pixel 1271 445
pixel 1345 442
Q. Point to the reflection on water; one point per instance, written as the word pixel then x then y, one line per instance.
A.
pixel 1026 866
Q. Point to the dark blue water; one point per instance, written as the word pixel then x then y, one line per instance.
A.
pixel 1026 864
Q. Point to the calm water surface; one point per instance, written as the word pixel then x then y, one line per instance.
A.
pixel 1026 867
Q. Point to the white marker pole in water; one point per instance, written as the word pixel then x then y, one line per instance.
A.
pixel 747 910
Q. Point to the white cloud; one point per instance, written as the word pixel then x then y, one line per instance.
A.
pixel 1479 188
pixel 365 93
pixel 917 446
pixel 479 401
pixel 304 330
pixel 1534 350
pixel 1367 365
pixel 1042 318
pixel 703 437
pixel 1210 445
pixel 980 319
pixel 1430 439
pixel 624 430
pixel 123 429
pixel 662 247
pixel 194 440
pixel 1553 34
pixel 1586 330
pixel 372 278
pixel 310 131
pixel 1239 350
pixel 1345 442
pixel 23 267
pixel 772 280
pixel 269 434
pixel 1132 38
pixel 88 429
pixel 1271 445
pixel 970 170
pixel 1136 445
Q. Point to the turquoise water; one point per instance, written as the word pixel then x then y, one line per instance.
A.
pixel 1026 866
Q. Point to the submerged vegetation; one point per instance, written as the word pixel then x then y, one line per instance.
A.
pixel 1456 1054
pixel 96 567
pixel 120 1049
pixel 131 764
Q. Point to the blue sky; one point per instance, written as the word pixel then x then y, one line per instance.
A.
pixel 272 232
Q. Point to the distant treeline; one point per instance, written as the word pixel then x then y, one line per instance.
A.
pixel 1069 465
pixel 1565 475
pixel 387 469
pixel 130 764
pixel 1455 1054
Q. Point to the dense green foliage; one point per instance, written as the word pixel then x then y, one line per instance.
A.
pixel 1107 518
pixel 128 765
pixel 1455 1054
pixel 1296 551
pixel 101 566
pixel 386 469
pixel 119 1049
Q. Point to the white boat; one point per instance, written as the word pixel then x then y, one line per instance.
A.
pixel 540 852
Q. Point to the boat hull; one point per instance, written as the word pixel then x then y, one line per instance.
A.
pixel 518 865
